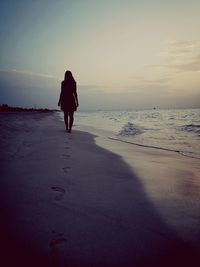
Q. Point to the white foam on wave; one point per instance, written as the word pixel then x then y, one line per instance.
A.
pixel 191 128
pixel 129 129
pixel 177 130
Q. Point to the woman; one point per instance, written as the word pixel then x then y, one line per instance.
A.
pixel 68 99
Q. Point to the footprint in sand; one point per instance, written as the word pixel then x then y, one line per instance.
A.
pixel 66 169
pixel 56 245
pixel 66 156
pixel 60 192
pixel 57 240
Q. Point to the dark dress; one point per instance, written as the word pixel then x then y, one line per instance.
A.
pixel 68 96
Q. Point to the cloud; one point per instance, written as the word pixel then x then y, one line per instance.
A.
pixel 26 73
pixel 183 56
pixel 178 47
pixel 193 65
pixel 91 88
pixel 25 88
pixel 178 70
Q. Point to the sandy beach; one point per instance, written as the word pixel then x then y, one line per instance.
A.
pixel 82 199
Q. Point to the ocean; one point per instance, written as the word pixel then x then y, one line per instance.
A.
pixel 174 129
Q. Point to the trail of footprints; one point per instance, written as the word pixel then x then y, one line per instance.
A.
pixel 57 189
pixel 58 239
pixel 66 156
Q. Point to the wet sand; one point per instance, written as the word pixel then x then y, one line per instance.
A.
pixel 81 199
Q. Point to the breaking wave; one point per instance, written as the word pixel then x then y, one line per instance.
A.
pixel 191 128
pixel 129 129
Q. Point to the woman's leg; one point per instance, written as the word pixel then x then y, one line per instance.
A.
pixel 71 120
pixel 66 119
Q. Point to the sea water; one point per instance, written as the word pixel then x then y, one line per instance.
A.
pixel 176 130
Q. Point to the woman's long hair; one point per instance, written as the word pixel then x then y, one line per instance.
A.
pixel 69 77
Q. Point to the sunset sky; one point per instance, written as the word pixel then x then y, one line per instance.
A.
pixel 123 53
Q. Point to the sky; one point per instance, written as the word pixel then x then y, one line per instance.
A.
pixel 124 54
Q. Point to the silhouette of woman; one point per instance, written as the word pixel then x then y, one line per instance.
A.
pixel 68 99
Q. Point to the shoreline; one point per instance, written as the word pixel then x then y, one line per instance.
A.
pixel 81 199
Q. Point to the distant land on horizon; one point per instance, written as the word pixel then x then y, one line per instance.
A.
pixel 6 108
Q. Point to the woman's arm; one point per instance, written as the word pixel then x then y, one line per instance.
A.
pixel 59 102
pixel 76 96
